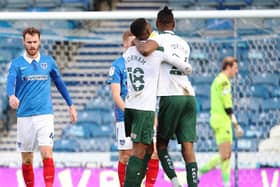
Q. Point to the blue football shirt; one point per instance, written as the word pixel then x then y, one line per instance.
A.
pixel 118 75
pixel 30 81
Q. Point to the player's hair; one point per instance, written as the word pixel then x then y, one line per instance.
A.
pixel 228 61
pixel 165 16
pixel 138 27
pixel 31 31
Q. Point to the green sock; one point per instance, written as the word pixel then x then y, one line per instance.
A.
pixel 212 163
pixel 192 174
pixel 225 168
pixel 146 160
pixel 133 172
pixel 166 163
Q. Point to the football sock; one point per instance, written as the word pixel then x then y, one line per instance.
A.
pixel 192 174
pixel 121 173
pixel 225 168
pixel 166 163
pixel 211 164
pixel 133 173
pixel 28 175
pixel 146 159
pixel 152 172
pixel 48 171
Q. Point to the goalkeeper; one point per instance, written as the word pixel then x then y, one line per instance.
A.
pixel 221 119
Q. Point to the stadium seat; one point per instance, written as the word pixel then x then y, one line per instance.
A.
pixel 18 3
pixel 260 91
pixel 270 104
pixel 265 78
pixel 202 90
pixel 248 144
pixel 66 145
pixel 219 24
pixel 47 3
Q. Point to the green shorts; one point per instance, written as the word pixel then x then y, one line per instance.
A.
pixel 177 115
pixel 223 134
pixel 139 125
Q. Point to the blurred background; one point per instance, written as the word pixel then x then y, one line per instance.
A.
pixel 84 51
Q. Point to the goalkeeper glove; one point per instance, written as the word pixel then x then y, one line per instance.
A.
pixel 237 129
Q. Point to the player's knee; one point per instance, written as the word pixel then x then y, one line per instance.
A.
pixel 124 158
pixel 161 144
pixel 225 156
pixel 28 161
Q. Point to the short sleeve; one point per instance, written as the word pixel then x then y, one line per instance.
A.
pixel 225 89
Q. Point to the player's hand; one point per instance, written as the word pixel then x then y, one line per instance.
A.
pixel 130 40
pixel 14 102
pixel 73 114
pixel 238 131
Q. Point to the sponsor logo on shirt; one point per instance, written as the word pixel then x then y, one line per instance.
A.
pixel 22 68
pixel 35 78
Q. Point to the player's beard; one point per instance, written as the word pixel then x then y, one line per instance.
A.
pixel 32 51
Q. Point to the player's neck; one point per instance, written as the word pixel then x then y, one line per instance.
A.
pixel 226 74
pixel 33 56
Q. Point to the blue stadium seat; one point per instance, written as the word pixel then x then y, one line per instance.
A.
pixel 260 91
pixel 242 117
pixel 275 92
pixel 271 104
pixel 75 131
pixel 66 145
pixel 248 144
pixel 76 3
pixel 205 105
pixel 5 24
pixel 265 78
pixel 219 24
pixel 202 90
pixel 202 79
pixel 18 3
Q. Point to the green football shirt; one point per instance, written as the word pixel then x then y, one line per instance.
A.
pixel 220 100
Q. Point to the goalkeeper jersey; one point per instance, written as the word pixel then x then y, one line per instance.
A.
pixel 220 100
pixel 171 80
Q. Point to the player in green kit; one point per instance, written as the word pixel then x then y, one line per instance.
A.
pixel 140 104
pixel 221 119
pixel 177 107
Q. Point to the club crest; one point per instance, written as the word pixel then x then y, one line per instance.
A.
pixel 44 65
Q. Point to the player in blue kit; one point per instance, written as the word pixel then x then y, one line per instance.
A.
pixel 29 91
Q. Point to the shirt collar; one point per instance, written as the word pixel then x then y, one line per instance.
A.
pixel 29 60
pixel 169 31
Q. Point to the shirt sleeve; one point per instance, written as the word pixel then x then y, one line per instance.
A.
pixel 114 74
pixel 155 37
pixel 11 80
pixel 225 91
pixel 178 58
pixel 60 84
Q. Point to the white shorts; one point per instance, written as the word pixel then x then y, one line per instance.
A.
pixel 123 142
pixel 34 131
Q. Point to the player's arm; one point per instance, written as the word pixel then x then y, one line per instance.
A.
pixel 227 102
pixel 114 79
pixel 116 94
pixel 178 59
pixel 60 85
pixel 145 48
pixel 10 87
